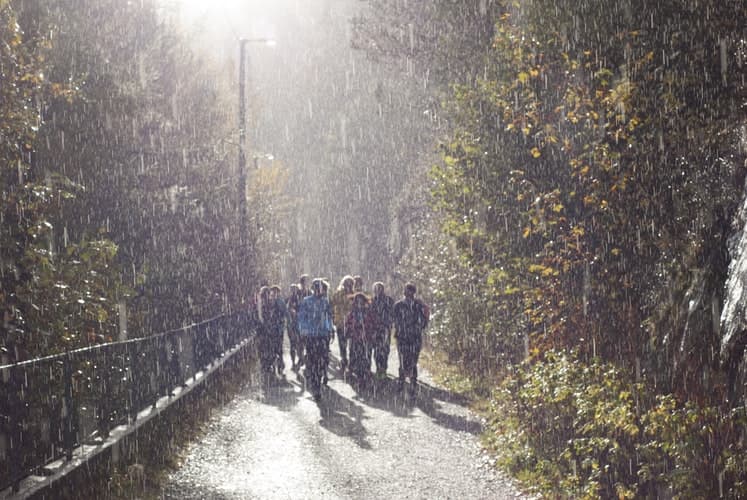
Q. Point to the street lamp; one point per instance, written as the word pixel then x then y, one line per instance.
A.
pixel 242 130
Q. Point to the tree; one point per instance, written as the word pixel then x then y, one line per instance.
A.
pixel 50 299
pixel 149 141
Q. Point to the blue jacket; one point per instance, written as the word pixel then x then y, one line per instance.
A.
pixel 315 317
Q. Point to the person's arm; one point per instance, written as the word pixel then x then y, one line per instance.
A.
pixel 425 313
pixel 349 324
pixel 395 320
pixel 303 320
pixel 328 323
pixel 389 313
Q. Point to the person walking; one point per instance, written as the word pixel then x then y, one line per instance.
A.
pixel 294 335
pixel 410 317
pixel 358 284
pixel 277 328
pixel 342 303
pixel 315 325
pixel 303 284
pixel 325 293
pixel 360 328
pixel 264 332
pixel 303 292
pixel 382 307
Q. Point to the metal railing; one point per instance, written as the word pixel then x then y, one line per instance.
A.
pixel 51 405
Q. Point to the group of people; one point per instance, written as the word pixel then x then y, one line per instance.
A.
pixel 361 323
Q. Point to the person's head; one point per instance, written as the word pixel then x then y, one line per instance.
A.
pixel 264 293
pixel 360 301
pixel 294 289
pixel 303 281
pixel 346 284
pixel 325 287
pixel 378 289
pixel 410 290
pixel 317 287
pixel 358 283
pixel 274 291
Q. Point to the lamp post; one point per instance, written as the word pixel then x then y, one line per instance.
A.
pixel 242 137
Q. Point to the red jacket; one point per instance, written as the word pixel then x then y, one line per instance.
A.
pixel 361 325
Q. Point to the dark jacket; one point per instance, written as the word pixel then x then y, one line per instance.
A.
pixel 383 308
pixel 410 318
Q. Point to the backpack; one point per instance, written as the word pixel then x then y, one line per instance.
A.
pixel 426 312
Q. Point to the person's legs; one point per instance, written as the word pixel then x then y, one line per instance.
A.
pixel 381 353
pixel 355 357
pixel 326 362
pixel 416 347
pixel 301 350
pixel 367 354
pixel 278 352
pixel 293 341
pixel 403 352
pixel 266 356
pixel 315 349
pixel 343 343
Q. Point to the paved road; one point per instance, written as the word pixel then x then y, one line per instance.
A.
pixel 279 443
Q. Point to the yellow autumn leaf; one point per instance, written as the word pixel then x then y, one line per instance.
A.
pixel 526 232
pixel 536 153
pixel 537 268
pixel 523 77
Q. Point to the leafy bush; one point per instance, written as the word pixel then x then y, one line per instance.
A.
pixel 586 430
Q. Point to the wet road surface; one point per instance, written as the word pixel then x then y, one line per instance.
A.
pixel 377 443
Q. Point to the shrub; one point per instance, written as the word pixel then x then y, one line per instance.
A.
pixel 585 430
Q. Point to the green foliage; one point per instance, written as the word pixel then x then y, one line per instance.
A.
pixel 564 184
pixel 108 179
pixel 593 162
pixel 50 299
pixel 73 296
pixel 271 217
pixel 581 419
pixel 149 139
pixel 585 430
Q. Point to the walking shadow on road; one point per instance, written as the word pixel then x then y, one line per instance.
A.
pixel 431 400
pixel 343 417
pixel 281 392
pixel 384 394
pixel 444 408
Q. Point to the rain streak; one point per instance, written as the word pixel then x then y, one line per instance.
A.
pixel 371 248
